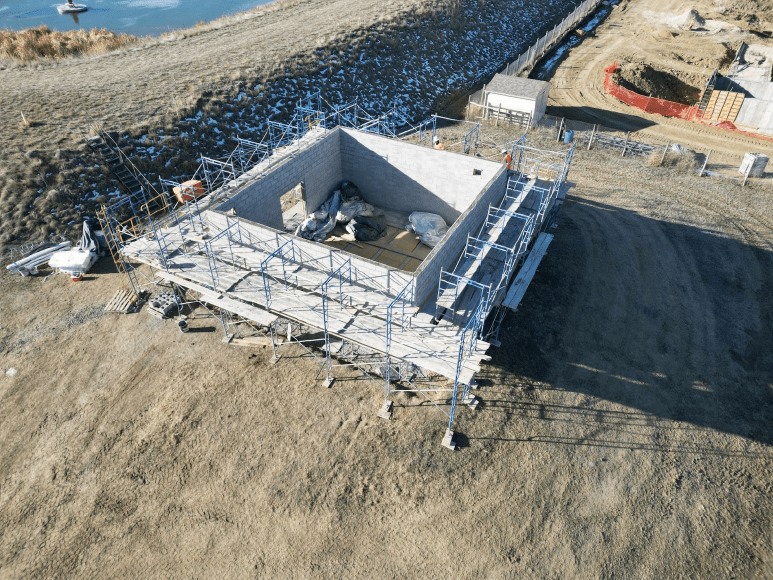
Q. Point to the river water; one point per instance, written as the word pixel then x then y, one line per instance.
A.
pixel 139 17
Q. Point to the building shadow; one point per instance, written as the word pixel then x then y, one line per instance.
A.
pixel 672 323
pixel 604 117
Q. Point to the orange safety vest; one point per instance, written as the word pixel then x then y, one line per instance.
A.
pixel 509 161
pixel 439 146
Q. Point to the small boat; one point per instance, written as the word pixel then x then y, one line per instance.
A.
pixel 71 8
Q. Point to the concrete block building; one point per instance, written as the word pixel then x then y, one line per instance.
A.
pixel 415 308
pixel 510 97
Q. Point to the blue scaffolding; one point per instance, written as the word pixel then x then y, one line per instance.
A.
pixel 248 154
pixel 343 272
pixel 468 343
pixel 283 253
pixel 404 297
pixel 471 140
pixel 463 300
pixel 282 134
pixel 217 173
pixel 309 113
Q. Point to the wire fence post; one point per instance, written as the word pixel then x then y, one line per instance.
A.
pixel 663 157
pixel 592 134
pixel 705 162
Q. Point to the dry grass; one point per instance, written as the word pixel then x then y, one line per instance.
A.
pixel 44 43
pixel 685 161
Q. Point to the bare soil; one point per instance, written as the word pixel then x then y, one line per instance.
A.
pixel 659 56
pixel 624 429
pixel 640 77
pixel 623 432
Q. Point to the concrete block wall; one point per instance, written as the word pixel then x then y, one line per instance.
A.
pixel 444 255
pixel 389 173
pixel 406 177
pixel 315 255
pixel 319 167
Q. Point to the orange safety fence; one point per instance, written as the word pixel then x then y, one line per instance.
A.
pixel 646 104
pixel 665 108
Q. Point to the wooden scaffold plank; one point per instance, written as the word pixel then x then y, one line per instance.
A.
pixel 526 273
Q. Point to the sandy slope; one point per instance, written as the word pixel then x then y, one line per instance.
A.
pixel 139 85
pixel 624 429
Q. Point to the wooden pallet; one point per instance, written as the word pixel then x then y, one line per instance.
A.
pixel 124 302
pixel 723 105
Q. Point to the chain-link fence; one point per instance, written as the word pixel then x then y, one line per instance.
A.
pixel 535 52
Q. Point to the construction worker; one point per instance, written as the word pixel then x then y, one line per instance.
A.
pixel 438 145
pixel 507 159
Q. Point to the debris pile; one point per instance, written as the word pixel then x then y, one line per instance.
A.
pixel 641 78
pixel 78 260
pixel 345 206
pixel 429 227
pixel 688 21
pixel 29 265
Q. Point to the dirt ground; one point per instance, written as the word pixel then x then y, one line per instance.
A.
pixel 644 37
pixel 624 429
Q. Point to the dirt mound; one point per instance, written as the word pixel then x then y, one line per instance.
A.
pixel 691 18
pixel 663 33
pixel 643 79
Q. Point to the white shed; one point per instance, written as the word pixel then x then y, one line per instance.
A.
pixel 516 99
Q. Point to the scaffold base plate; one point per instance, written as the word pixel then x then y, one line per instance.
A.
pixel 386 410
pixel 448 440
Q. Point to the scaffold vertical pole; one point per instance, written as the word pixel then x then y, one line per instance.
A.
pixel 274 339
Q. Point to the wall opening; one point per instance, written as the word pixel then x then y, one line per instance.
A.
pixel 293 204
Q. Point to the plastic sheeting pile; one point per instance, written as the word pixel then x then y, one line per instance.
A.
pixel 430 227
pixel 89 240
pixel 345 206
pixel 79 260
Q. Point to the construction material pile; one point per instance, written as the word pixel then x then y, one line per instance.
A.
pixel 344 206
pixel 430 227
pixel 688 21
pixel 74 261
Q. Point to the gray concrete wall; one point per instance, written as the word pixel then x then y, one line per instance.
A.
pixel 445 254
pixel 389 173
pixel 406 177
pixel 319 167
pixel 757 108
